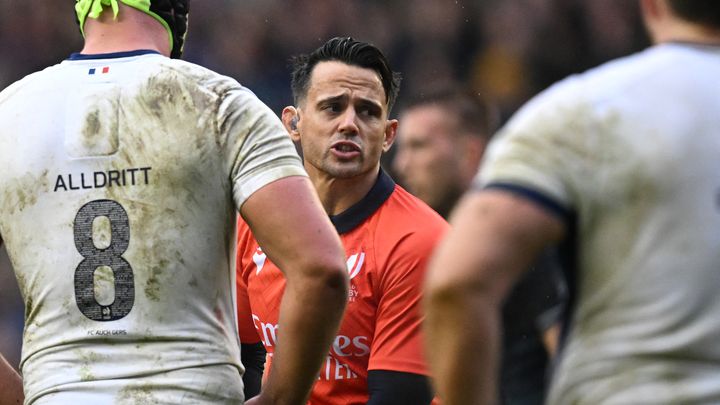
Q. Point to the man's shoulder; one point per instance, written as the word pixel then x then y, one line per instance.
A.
pixel 405 210
pixel 212 81
pixel 581 103
pixel 33 79
pixel 405 222
pixel 602 82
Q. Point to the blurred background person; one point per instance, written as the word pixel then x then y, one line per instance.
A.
pixel 441 139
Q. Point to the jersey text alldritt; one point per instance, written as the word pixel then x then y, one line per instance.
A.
pixel 118 178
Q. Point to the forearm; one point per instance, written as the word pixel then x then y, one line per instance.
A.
pixel 465 364
pixel 495 237
pixel 11 390
pixel 310 314
pixel 288 221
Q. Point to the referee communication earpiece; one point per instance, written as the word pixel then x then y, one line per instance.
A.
pixel 293 123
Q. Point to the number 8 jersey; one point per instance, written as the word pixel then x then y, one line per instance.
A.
pixel 120 182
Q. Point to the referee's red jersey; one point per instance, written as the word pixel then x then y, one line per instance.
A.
pixel 388 237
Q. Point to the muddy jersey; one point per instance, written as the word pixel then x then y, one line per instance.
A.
pixel 628 154
pixel 388 237
pixel 121 176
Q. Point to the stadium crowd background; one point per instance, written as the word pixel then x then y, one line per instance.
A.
pixel 507 50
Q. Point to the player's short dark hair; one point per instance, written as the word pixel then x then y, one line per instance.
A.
pixel 706 12
pixel 474 113
pixel 346 50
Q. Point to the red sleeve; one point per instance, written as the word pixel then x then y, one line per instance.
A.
pixel 397 343
pixel 246 326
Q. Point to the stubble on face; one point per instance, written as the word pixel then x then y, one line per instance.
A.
pixel 345 115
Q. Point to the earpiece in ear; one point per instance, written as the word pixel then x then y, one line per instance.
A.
pixel 293 123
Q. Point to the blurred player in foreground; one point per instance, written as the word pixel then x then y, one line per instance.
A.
pixel 441 141
pixel 343 93
pixel 122 173
pixel 621 163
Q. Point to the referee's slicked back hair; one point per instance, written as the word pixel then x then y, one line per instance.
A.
pixel 705 12
pixel 346 50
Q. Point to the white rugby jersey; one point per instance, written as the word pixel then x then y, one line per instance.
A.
pixel 121 174
pixel 629 154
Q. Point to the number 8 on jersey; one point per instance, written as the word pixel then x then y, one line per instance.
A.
pixel 110 256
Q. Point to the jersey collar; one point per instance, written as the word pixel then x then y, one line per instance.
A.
pixel 349 219
pixel 112 55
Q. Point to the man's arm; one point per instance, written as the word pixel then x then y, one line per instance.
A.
pixel 288 221
pixel 11 390
pixel 495 236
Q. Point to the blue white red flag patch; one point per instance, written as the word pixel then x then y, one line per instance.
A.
pixel 102 70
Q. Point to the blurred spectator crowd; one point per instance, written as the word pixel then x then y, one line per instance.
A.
pixel 506 50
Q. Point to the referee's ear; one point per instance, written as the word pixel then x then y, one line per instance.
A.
pixel 390 133
pixel 291 121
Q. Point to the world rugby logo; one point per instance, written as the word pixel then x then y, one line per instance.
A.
pixel 259 260
pixel 354 264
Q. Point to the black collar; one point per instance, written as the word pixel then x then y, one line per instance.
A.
pixel 349 219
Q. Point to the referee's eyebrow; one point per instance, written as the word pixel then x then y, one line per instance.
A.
pixel 343 98
pixel 333 99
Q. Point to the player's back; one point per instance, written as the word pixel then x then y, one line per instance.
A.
pixel 117 211
pixel 645 328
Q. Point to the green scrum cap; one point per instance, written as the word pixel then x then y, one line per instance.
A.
pixel 165 12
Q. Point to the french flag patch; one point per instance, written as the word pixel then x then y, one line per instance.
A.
pixel 101 70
